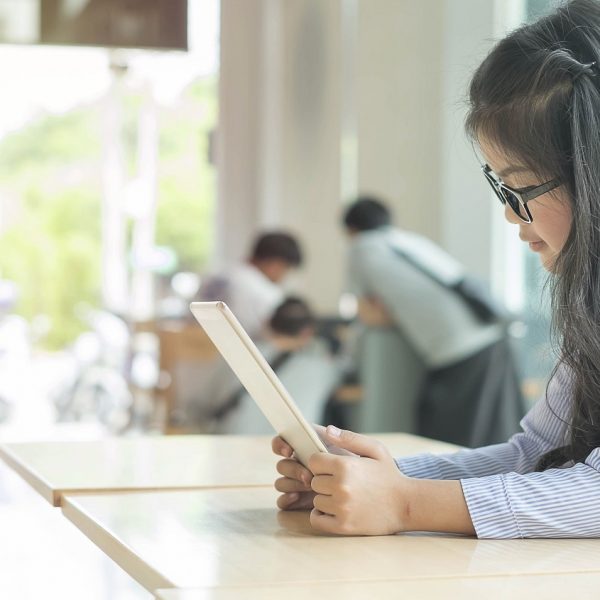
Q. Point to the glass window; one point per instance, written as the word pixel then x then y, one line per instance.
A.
pixel 107 191
pixel 525 286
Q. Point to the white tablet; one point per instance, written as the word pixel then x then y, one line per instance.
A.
pixel 258 378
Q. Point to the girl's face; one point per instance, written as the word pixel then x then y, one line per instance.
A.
pixel 551 212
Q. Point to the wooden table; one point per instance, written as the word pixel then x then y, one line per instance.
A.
pixel 225 537
pixel 158 463
pixel 198 513
pixel 523 587
pixel 44 556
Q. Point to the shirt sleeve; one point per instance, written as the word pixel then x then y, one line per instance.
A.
pixel 505 498
pixel 557 503
pixel 253 299
pixel 543 428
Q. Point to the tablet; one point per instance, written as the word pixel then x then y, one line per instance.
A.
pixel 259 379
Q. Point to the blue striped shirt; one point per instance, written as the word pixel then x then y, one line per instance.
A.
pixel 505 497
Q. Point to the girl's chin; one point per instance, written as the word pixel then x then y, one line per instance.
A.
pixel 548 260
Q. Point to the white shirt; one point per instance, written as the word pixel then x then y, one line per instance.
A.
pixel 250 294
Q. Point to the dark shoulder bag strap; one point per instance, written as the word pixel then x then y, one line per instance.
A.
pixel 472 291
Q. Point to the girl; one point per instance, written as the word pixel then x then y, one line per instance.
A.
pixel 535 116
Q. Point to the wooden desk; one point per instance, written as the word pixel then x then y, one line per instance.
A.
pixel 44 556
pixel 236 536
pixel 157 463
pixel 524 587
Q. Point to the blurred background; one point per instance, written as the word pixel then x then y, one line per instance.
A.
pixel 143 146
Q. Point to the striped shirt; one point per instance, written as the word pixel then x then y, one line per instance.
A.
pixel 505 497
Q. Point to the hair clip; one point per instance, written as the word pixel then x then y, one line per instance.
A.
pixel 587 69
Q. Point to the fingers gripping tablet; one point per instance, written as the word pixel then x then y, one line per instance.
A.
pixel 258 378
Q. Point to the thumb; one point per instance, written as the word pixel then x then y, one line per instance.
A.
pixel 355 442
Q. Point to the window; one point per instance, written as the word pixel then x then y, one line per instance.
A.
pixel 524 285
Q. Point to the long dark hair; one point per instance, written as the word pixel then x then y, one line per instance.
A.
pixel 536 97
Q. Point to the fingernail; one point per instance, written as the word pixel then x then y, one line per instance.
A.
pixel 292 498
pixel 333 431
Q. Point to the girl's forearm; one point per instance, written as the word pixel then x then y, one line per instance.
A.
pixel 437 505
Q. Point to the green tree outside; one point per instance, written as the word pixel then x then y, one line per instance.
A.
pixel 50 194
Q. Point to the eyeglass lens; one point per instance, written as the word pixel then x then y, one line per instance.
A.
pixel 507 197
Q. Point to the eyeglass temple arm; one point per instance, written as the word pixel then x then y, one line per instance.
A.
pixel 539 190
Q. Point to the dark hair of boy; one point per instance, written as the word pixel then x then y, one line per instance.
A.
pixel 367 213
pixel 292 317
pixel 277 245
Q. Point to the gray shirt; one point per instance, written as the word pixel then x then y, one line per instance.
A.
pixel 435 320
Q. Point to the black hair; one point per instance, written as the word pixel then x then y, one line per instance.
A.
pixel 292 317
pixel 536 98
pixel 367 213
pixel 277 245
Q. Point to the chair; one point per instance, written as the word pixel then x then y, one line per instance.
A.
pixel 187 356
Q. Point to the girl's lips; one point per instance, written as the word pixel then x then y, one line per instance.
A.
pixel 536 246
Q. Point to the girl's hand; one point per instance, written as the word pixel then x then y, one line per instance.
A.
pixel 295 483
pixel 357 495
pixel 364 493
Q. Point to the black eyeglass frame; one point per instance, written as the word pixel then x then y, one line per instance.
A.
pixel 507 194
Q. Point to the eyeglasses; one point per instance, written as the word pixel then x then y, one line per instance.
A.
pixel 517 198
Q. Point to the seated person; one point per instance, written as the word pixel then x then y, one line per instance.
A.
pixel 302 362
pixel 252 289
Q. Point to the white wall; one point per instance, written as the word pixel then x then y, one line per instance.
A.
pixel 239 132
pixel 398 97
pixel 279 136
pixel 466 207
pixel 473 226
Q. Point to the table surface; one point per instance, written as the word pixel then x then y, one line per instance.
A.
pixel 583 586
pixel 162 462
pixel 236 536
